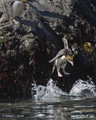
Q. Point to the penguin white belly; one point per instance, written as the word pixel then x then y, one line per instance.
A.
pixel 61 62
pixel 17 8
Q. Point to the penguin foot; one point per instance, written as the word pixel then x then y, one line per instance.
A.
pixel 59 74
pixel 66 73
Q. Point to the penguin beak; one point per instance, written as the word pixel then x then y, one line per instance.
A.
pixel 71 62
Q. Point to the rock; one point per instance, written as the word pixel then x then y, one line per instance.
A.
pixel 27 47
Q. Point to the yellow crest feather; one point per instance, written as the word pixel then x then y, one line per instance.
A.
pixel 70 58
pixel 25 0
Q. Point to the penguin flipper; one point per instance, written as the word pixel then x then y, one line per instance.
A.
pixel 65 43
pixel 61 52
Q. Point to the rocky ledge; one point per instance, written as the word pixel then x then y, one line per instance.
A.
pixel 27 47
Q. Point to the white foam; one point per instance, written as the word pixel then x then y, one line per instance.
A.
pixel 83 88
pixel 52 93
pixel 49 92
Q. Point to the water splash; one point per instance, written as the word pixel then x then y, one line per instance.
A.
pixel 51 92
pixel 83 88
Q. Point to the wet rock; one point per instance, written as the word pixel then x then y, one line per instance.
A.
pixel 26 47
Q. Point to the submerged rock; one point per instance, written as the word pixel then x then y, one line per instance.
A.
pixel 27 47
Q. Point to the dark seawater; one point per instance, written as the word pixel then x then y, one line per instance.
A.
pixel 51 103
pixel 64 110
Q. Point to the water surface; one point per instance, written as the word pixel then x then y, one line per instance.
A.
pixel 65 110
pixel 51 103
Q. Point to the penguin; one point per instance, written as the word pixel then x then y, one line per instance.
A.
pixel 63 56
pixel 17 8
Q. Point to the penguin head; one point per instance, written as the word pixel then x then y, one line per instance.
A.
pixel 69 54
